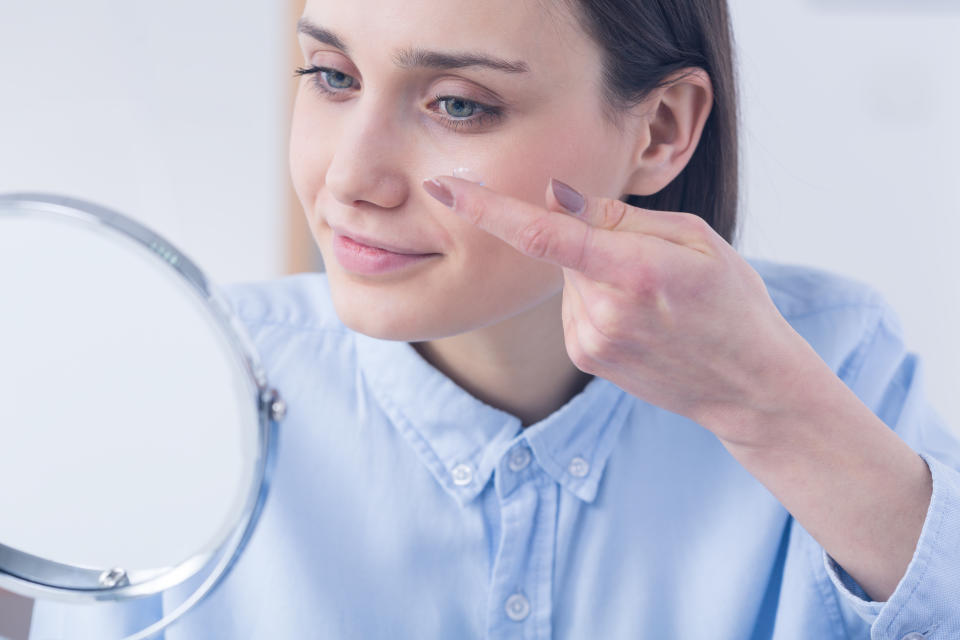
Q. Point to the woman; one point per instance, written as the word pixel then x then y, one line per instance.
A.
pixel 559 404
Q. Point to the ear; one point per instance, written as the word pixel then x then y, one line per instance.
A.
pixel 671 121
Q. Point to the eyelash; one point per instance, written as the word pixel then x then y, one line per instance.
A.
pixel 488 114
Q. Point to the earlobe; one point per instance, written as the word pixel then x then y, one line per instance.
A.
pixel 672 122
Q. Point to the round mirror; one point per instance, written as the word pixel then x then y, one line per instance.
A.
pixel 138 424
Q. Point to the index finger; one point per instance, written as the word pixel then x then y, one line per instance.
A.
pixel 532 230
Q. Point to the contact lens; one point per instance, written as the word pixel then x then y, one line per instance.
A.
pixel 467 174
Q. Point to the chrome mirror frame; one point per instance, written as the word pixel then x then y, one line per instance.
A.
pixel 35 577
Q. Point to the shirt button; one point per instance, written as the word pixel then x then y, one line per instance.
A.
pixel 519 459
pixel 913 636
pixel 517 607
pixel 462 475
pixel 578 467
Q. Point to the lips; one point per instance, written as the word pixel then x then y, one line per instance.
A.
pixel 367 260
pixel 401 248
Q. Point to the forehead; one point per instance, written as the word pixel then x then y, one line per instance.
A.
pixel 542 33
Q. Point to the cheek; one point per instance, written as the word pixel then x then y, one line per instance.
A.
pixel 588 158
pixel 309 152
pixel 502 278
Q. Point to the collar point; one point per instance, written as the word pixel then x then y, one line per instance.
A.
pixel 585 491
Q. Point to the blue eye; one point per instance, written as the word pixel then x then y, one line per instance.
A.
pixel 337 79
pixel 458 105
pixel 462 112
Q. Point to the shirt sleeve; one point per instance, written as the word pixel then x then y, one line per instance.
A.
pixel 926 601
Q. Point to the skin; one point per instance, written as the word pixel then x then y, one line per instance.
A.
pixel 527 300
pixel 494 325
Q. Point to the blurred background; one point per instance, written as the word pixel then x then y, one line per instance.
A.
pixel 176 114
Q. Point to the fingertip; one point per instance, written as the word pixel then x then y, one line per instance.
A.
pixel 548 196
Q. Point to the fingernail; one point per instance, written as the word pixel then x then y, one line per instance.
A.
pixel 467 174
pixel 568 197
pixel 439 191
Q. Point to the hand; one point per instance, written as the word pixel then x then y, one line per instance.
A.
pixel 656 302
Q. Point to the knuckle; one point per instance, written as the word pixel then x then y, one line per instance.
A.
pixel 644 280
pixel 607 317
pixel 579 357
pixel 614 211
pixel 699 229
pixel 597 346
pixel 472 208
pixel 585 246
pixel 534 238
pixel 693 222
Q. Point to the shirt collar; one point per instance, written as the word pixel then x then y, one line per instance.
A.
pixel 462 440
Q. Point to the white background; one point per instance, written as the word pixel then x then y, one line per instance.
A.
pixel 174 113
pixel 170 112
pixel 851 139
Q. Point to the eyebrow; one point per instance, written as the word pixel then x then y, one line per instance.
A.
pixel 413 58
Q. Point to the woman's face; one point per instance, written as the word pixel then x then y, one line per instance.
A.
pixel 370 127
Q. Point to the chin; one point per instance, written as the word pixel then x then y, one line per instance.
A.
pixel 389 317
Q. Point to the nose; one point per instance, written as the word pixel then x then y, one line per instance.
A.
pixel 367 163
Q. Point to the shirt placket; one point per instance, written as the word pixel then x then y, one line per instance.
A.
pixel 520 594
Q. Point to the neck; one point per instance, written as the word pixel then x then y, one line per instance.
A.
pixel 519 365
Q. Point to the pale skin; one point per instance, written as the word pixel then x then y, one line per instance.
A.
pixel 526 301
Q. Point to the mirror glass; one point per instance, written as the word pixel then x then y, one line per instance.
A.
pixel 134 442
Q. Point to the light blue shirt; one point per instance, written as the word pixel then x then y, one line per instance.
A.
pixel 402 507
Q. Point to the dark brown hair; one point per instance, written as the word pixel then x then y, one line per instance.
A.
pixel 644 42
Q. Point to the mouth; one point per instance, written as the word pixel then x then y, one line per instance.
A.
pixel 362 240
pixel 358 257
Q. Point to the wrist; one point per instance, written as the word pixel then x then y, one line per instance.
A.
pixel 797 388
